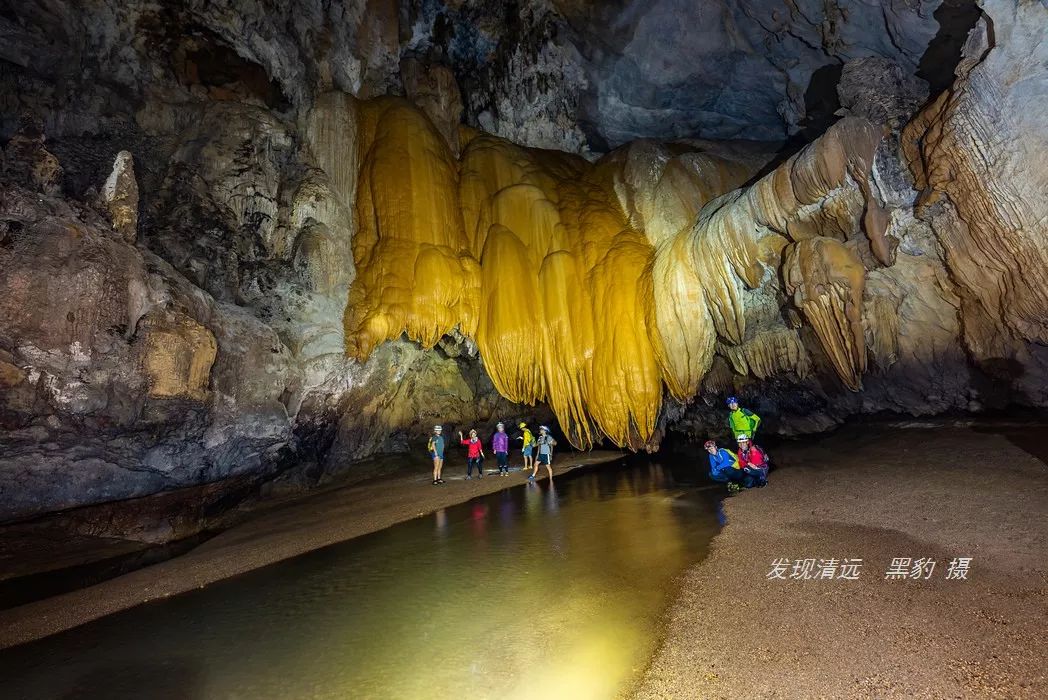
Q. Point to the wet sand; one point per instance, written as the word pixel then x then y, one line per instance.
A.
pixel 269 536
pixel 874 493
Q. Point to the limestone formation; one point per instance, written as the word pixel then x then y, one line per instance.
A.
pixel 977 154
pixel 27 162
pixel 827 280
pixel 120 197
pixel 177 354
pixel 434 90
pixel 344 221
pixel 582 308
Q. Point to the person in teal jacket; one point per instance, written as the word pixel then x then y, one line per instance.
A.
pixel 741 421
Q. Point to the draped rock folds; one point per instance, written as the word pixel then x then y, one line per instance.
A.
pixel 592 286
pixel 415 271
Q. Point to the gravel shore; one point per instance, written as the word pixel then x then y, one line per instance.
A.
pixel 875 494
pixel 272 535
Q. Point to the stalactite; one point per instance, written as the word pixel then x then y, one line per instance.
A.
pixel 699 275
pixel 591 286
pixel 826 280
pixel 415 270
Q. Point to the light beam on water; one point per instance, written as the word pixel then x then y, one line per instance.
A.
pixel 534 591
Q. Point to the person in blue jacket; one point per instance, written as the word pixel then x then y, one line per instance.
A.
pixel 723 464
pixel 724 467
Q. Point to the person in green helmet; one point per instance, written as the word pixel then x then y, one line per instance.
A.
pixel 741 421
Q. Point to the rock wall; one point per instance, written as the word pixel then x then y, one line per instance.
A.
pixel 226 250
pixel 207 342
pixel 976 155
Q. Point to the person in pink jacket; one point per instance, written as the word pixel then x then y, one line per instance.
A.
pixel 500 446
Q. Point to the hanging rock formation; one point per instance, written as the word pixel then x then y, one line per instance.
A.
pixel 536 255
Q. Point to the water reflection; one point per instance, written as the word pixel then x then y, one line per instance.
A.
pixel 537 591
pixel 552 504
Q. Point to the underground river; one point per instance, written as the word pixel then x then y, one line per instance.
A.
pixel 535 591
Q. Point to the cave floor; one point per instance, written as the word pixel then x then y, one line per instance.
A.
pixel 274 531
pixel 742 628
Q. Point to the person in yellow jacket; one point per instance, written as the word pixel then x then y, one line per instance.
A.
pixel 528 446
pixel 741 421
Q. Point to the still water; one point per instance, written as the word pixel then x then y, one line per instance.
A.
pixel 538 591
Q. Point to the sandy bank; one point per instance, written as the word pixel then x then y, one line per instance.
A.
pixel 267 537
pixel 875 494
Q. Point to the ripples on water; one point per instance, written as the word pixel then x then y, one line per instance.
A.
pixel 536 591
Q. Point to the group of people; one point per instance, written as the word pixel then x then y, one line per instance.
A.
pixel 543 444
pixel 748 466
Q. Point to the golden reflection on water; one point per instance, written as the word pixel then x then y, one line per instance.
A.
pixel 530 593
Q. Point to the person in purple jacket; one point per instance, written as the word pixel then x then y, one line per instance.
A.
pixel 500 446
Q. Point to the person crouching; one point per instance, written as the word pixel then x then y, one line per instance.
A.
pixel 752 461
pixel 724 466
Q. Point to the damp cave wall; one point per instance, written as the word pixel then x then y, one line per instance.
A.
pixel 242 257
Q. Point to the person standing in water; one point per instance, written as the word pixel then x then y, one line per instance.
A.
pixel 474 454
pixel 436 453
pixel 528 446
pixel 545 443
pixel 500 446
pixel 741 421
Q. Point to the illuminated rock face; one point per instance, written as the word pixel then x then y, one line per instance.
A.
pixel 595 287
pixel 977 153
pixel 591 286
pixel 301 271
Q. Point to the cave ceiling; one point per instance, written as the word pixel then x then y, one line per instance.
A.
pixel 569 74
pixel 627 69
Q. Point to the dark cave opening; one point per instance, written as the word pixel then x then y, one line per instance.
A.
pixel 956 19
pixel 821 101
pixel 200 59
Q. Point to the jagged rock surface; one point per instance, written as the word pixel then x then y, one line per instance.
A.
pixel 279 202
pixel 977 153
pixel 611 72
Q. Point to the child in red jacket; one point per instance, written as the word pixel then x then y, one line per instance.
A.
pixel 474 454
